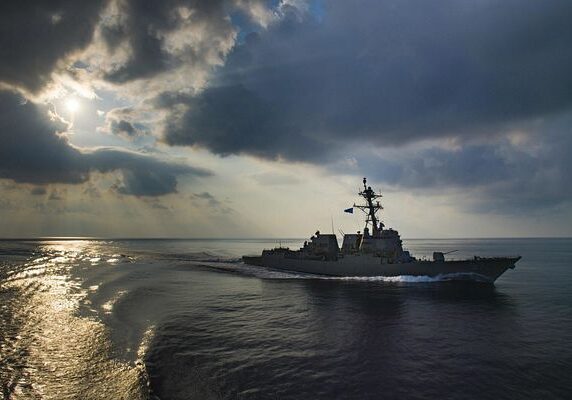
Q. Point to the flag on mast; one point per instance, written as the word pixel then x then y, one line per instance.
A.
pixel 349 210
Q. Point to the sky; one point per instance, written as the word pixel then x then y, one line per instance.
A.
pixel 252 118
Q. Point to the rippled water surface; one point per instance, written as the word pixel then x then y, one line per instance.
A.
pixel 185 319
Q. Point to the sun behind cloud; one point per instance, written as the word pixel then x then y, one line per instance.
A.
pixel 72 105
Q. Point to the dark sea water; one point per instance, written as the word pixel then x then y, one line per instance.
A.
pixel 185 319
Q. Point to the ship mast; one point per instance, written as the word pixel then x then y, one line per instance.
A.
pixel 370 208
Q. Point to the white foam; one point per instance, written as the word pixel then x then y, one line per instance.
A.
pixel 415 279
pixel 399 278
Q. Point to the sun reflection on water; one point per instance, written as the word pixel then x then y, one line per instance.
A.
pixel 50 350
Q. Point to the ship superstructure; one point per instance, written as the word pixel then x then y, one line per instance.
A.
pixel 375 252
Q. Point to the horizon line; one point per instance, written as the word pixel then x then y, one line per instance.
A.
pixel 40 238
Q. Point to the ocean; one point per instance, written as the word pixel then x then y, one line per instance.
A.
pixel 186 319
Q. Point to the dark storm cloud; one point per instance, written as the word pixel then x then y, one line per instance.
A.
pixel 35 151
pixel 144 26
pixel 122 127
pixel 35 35
pixel 143 175
pixel 141 25
pixel 122 122
pixel 506 176
pixel 387 72
pixel 468 166
pixel 234 120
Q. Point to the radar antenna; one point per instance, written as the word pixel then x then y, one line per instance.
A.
pixel 370 209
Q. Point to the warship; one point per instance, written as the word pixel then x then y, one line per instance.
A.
pixel 376 252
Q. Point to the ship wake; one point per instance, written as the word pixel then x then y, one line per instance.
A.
pixel 471 277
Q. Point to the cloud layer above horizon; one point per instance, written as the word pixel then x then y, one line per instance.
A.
pixel 447 96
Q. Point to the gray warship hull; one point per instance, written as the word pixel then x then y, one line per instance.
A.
pixel 479 268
